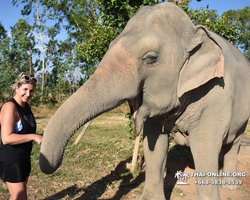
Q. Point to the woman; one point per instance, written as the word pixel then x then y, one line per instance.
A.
pixel 18 130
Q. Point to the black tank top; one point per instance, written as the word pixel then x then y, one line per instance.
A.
pixel 20 152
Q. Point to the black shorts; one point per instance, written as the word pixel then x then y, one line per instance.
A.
pixel 14 172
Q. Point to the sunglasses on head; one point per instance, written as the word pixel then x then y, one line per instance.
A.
pixel 28 78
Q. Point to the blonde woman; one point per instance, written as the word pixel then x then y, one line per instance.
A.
pixel 18 131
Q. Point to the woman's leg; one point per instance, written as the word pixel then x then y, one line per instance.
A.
pixel 18 191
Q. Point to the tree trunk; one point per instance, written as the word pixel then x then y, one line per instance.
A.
pixel 30 61
pixel 41 35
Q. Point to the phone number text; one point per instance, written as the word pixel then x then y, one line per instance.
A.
pixel 218 182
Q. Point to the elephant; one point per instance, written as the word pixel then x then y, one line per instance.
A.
pixel 176 78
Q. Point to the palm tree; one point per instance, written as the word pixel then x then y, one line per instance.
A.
pixel 178 174
pixel 185 176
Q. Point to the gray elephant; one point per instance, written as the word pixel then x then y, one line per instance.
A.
pixel 177 77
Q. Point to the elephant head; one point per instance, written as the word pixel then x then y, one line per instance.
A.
pixel 150 65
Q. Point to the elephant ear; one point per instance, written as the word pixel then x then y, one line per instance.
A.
pixel 205 61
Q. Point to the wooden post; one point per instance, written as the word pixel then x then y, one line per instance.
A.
pixel 82 133
pixel 135 153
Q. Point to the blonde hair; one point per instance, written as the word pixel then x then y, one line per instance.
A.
pixel 19 81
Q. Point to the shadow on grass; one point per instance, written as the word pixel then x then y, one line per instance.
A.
pixel 98 188
pixel 179 157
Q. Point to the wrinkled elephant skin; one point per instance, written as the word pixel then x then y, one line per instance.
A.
pixel 178 78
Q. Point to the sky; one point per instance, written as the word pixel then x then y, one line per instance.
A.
pixel 220 5
pixel 10 14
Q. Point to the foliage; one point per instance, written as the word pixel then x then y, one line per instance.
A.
pixel 130 132
pixel 5 75
pixel 114 16
pixel 5 80
pixel 242 20
pixel 77 14
pixel 16 55
pixel 36 99
pixel 79 17
pixel 97 45
pixel 33 6
pixel 23 42
pixel 3 32
pixel 116 13
pixel 211 20
pixel 233 25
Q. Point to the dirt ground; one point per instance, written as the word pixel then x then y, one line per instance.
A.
pixel 113 186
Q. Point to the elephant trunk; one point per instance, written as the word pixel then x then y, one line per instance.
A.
pixel 105 90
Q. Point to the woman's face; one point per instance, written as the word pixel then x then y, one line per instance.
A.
pixel 25 92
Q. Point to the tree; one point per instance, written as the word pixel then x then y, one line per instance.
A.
pixel 79 16
pixel 6 75
pixel 3 32
pixel 23 42
pixel 34 5
pixel 114 16
pixel 212 21
pixel 17 54
pixel 96 45
pixel 76 14
pixel 93 24
pixel 241 18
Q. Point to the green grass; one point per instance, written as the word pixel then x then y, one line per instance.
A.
pixel 102 147
pixel 3 189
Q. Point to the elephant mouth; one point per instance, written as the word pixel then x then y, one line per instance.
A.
pixel 137 119
pixel 135 104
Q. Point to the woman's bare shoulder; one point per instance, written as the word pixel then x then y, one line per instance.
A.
pixel 8 108
pixel 8 105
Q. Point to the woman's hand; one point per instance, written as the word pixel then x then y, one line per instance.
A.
pixel 38 138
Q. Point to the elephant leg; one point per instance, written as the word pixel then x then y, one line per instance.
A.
pixel 230 159
pixel 205 148
pixel 155 145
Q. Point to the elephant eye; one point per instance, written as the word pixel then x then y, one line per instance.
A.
pixel 150 58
